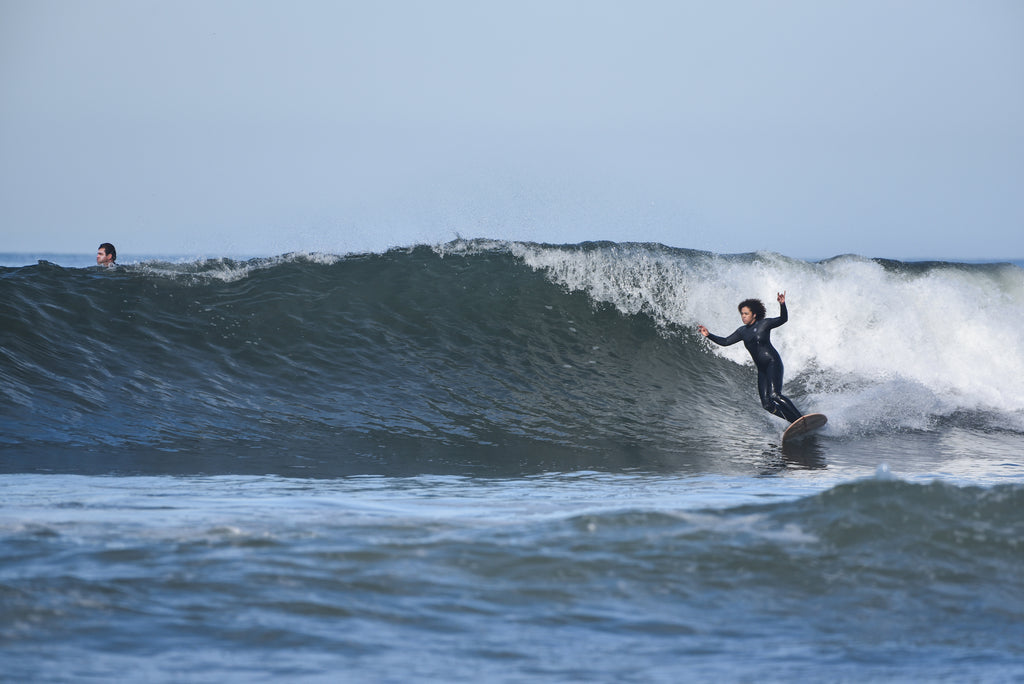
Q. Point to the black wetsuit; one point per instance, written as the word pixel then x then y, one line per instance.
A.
pixel 757 339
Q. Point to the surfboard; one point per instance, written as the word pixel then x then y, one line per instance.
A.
pixel 803 425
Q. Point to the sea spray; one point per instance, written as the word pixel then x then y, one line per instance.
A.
pixel 953 330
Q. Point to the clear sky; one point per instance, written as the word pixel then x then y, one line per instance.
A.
pixel 248 127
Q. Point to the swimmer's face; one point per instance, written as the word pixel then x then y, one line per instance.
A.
pixel 102 258
pixel 747 316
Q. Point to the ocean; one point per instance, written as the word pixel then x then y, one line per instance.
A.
pixel 507 462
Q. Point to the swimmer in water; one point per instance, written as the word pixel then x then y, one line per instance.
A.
pixel 756 336
pixel 106 255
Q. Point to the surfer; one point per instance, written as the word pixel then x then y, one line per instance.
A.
pixel 106 255
pixel 756 336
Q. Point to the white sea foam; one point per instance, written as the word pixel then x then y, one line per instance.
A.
pixel 198 271
pixel 884 344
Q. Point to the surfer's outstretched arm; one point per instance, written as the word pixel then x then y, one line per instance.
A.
pixel 771 323
pixel 724 341
pixel 783 317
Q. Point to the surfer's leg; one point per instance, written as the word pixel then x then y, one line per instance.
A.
pixel 786 407
pixel 769 386
pixel 764 391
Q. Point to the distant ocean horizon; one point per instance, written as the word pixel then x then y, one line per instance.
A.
pixel 503 461
pixel 86 259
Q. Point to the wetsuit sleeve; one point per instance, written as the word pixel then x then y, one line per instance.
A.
pixel 783 317
pixel 726 341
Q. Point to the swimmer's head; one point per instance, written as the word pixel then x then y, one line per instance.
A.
pixel 106 255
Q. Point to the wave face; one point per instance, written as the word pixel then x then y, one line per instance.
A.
pixel 486 357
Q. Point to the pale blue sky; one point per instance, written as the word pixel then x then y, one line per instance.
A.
pixel 241 128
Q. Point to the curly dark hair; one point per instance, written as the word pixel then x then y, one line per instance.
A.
pixel 756 307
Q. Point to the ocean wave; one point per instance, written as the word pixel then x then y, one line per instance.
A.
pixel 553 356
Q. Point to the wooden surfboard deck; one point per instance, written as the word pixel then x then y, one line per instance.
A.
pixel 803 425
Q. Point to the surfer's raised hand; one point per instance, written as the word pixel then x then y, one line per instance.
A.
pixel 703 330
pixel 782 298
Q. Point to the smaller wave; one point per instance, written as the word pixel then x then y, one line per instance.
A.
pixel 226 270
pixel 868 536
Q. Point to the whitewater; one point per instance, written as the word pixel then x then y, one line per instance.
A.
pixel 508 461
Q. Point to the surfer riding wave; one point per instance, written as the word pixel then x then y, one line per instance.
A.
pixel 756 336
